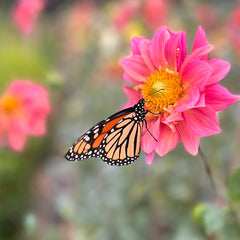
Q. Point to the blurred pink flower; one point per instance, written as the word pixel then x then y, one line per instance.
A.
pixel 24 108
pixel 233 29
pixel 183 89
pixel 125 11
pixel 149 12
pixel 207 15
pixel 77 26
pixel 25 13
pixel 81 16
pixel 155 13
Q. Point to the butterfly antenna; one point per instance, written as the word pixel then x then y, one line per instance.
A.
pixel 162 89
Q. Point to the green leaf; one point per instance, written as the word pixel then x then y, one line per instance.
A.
pixel 213 219
pixel 199 211
pixel 234 185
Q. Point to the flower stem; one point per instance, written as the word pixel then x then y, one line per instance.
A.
pixel 208 170
pixel 230 204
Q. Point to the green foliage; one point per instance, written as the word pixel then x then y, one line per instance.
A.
pixel 16 172
pixel 19 60
pixel 233 184
pixel 222 219
pixel 213 219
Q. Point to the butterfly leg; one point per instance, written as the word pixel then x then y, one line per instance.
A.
pixel 153 113
pixel 149 131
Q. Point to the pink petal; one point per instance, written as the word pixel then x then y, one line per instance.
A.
pixel 196 74
pixel 135 41
pixel 199 41
pixel 157 46
pixel 19 88
pixel 135 67
pixel 171 51
pixel 4 122
pixel 195 55
pixel 189 138
pixel 145 53
pixel 148 142
pixel 201 101
pixel 37 126
pixel 219 97
pixel 173 117
pixel 171 33
pixel 37 107
pixel 131 79
pixel 175 50
pixel 189 99
pixel 220 70
pixel 25 14
pixel 167 140
pixel 131 93
pixel 203 121
pixel 17 135
pixel 150 158
pixel 181 51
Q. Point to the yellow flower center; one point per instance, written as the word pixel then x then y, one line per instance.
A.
pixel 162 90
pixel 10 104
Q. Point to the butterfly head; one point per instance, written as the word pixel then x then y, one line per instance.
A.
pixel 142 101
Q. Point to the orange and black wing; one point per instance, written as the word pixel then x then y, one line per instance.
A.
pixel 116 140
pixel 121 146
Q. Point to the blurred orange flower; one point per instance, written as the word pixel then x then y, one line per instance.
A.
pixel 24 108
pixel 25 14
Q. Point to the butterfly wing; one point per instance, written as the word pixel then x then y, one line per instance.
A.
pixel 115 140
pixel 121 145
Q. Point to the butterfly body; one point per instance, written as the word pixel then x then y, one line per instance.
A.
pixel 116 140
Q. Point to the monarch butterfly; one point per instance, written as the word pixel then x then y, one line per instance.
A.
pixel 116 140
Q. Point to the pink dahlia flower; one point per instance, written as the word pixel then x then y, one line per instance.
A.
pixel 24 108
pixel 25 14
pixel 182 90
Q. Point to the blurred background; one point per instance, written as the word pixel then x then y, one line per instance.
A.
pixel 73 48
